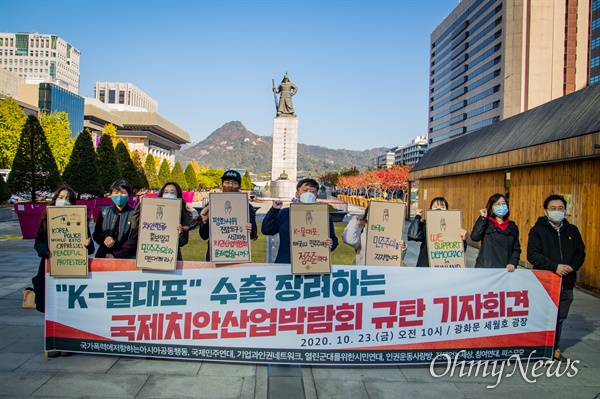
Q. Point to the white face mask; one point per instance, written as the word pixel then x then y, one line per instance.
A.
pixel 62 202
pixel 169 195
pixel 308 198
pixel 556 216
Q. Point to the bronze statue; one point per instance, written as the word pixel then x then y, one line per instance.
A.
pixel 287 90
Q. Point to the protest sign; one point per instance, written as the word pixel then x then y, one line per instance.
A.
pixel 228 217
pixel 385 227
pixel 158 240
pixel 67 233
pixel 357 315
pixel 444 244
pixel 309 228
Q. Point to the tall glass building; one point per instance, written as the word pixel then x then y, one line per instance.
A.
pixel 492 59
pixel 54 98
pixel 595 43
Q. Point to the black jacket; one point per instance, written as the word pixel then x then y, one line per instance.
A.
pixel 498 247
pixel 106 225
pixel 417 232
pixel 547 248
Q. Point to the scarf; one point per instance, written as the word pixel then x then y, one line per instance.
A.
pixel 502 226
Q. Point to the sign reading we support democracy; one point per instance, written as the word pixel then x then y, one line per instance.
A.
pixel 228 217
pixel 444 244
pixel 385 227
pixel 309 228
pixel 67 234
pixel 158 241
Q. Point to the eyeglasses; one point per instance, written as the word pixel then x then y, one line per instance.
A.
pixel 231 183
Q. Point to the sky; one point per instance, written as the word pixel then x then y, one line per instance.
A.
pixel 361 67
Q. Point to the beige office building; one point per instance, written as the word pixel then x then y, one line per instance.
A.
pixel 40 58
pixel 123 96
pixel 492 59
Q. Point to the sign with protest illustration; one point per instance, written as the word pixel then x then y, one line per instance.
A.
pixel 385 227
pixel 309 228
pixel 67 234
pixel 444 244
pixel 158 240
pixel 228 217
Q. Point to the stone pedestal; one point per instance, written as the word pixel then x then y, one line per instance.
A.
pixel 285 157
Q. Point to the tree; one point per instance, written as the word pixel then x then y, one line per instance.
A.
pixel 164 173
pixel 190 177
pixel 107 162
pixel 12 120
pixel 136 157
pixel 178 177
pixel 126 166
pixel 4 190
pixel 58 133
pixel 247 182
pixel 211 178
pixel 34 168
pixel 111 131
pixel 82 172
pixel 150 171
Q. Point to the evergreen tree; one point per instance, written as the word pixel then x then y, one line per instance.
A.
pixel 164 173
pixel 136 157
pixel 247 182
pixel 110 130
pixel 34 168
pixel 12 119
pixel 82 172
pixel 126 166
pixel 4 190
pixel 190 177
pixel 178 177
pixel 107 162
pixel 150 171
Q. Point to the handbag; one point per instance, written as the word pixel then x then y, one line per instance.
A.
pixel 28 298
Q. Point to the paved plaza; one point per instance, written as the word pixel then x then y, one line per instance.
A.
pixel 26 373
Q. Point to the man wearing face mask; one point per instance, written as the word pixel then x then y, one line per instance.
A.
pixel 277 220
pixel 556 245
pixel 231 182
pixel 113 227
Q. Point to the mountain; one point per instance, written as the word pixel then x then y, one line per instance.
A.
pixel 234 146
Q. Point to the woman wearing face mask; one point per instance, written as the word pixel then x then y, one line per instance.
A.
pixel 113 227
pixel 63 196
pixel 172 190
pixel 355 235
pixel 417 230
pixel 499 236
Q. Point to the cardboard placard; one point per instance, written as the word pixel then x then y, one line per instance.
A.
pixel 445 247
pixel 229 239
pixel 67 233
pixel 385 228
pixel 309 228
pixel 158 241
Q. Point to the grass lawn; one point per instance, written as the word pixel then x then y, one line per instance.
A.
pixel 196 248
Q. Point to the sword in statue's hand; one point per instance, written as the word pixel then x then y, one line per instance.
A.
pixel 275 94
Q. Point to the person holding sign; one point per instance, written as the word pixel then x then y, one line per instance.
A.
pixel 113 227
pixel 418 232
pixel 277 220
pixel 355 235
pixel 556 245
pixel 499 236
pixel 231 182
pixel 170 190
pixel 62 197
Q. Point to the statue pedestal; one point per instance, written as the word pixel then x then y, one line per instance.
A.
pixel 285 156
pixel 283 189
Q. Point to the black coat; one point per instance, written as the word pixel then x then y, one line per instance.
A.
pixel 547 248
pixel 417 232
pixel 498 247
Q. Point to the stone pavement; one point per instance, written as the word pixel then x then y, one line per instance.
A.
pixel 26 373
